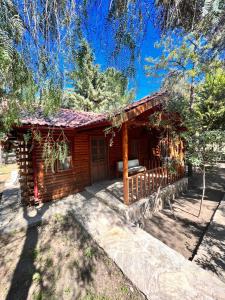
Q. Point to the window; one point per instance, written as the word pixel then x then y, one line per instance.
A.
pixel 66 164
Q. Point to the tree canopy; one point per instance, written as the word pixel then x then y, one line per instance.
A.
pixel 93 89
pixel 210 100
pixel 38 38
pixel 204 18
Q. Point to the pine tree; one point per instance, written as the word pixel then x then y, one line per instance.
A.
pixel 94 90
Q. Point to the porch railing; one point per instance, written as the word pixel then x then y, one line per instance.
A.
pixel 144 184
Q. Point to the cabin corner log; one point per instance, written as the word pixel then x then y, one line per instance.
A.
pixel 125 163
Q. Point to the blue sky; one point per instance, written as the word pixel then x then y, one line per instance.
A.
pixel 142 84
pixel 97 29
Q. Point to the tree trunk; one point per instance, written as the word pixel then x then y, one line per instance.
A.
pixel 191 97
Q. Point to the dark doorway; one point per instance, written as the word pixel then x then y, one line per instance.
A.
pixel 99 160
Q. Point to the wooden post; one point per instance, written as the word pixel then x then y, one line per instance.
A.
pixel 125 163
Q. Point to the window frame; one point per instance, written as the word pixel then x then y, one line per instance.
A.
pixel 57 168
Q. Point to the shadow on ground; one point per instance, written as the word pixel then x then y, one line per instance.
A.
pixel 185 233
pixel 60 261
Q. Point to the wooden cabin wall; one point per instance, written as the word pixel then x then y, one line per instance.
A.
pixel 82 160
pixel 140 137
pixel 154 148
pixel 115 154
pixel 60 183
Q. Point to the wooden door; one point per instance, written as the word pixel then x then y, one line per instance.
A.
pixel 99 162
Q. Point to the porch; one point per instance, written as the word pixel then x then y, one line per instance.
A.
pixel 142 190
pixel 143 184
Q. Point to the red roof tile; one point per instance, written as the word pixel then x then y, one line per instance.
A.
pixel 74 119
pixel 62 118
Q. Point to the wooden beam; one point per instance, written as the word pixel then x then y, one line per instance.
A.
pixel 136 111
pixel 137 123
pixel 125 163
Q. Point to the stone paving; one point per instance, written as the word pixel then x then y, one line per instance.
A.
pixel 211 253
pixel 158 271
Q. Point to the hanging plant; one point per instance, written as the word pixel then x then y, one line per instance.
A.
pixel 54 150
pixel 27 137
pixel 37 136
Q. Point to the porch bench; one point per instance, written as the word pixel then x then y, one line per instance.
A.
pixel 133 167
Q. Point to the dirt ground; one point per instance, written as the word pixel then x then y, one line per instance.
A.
pixel 59 261
pixel 184 233
pixel 5 172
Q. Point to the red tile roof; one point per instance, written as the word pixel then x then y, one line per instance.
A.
pixel 62 118
pixel 74 119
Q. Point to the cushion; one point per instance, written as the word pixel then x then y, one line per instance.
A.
pixel 131 163
pixel 137 169
pixel 133 166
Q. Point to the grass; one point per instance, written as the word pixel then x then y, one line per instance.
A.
pixel 59 218
pixel 124 289
pixel 36 277
pixel 91 296
pixel 48 262
pixel 67 290
pixel 89 252
pixel 35 253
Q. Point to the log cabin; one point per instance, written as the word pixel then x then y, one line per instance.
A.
pixel 136 152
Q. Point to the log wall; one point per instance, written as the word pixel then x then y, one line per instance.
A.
pixel 42 185
pixel 60 183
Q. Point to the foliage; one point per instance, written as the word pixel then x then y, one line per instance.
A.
pixel 204 18
pixel 95 90
pixel 196 92
pixel 46 32
pixel 16 82
pixel 54 150
pixel 51 98
pixel 89 252
pixel 210 103
pixel 182 62
pixel 205 147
